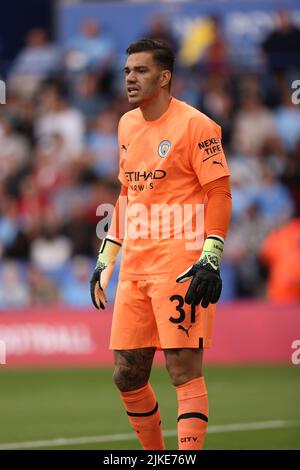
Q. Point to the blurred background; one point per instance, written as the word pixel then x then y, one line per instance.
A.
pixel 61 63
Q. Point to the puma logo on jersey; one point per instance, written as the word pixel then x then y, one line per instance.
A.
pixel 218 163
pixel 180 327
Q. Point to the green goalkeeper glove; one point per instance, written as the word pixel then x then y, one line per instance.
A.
pixel 206 284
pixel 105 264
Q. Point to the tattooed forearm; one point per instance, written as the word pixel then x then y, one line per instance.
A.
pixel 132 368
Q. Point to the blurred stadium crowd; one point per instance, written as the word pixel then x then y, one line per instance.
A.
pixel 59 158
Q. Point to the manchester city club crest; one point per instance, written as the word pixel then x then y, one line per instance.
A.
pixel 164 148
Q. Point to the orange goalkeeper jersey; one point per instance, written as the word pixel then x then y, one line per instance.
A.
pixel 164 164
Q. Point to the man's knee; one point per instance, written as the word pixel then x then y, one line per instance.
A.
pixel 132 368
pixel 120 378
pixel 127 379
pixel 179 376
pixel 183 365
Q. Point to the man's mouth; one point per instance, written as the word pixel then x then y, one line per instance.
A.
pixel 132 90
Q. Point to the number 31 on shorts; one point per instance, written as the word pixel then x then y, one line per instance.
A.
pixel 181 313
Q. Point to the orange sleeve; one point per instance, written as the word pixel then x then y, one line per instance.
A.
pixel 218 208
pixel 207 156
pixel 117 226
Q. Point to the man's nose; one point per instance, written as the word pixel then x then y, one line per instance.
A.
pixel 131 77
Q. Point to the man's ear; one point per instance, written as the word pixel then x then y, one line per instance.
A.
pixel 165 78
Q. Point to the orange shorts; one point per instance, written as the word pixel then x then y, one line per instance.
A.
pixel 152 313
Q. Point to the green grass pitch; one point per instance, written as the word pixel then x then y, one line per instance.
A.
pixel 71 403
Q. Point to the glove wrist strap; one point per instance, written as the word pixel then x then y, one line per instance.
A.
pixel 212 251
pixel 108 252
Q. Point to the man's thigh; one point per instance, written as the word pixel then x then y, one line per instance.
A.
pixel 133 324
pixel 180 325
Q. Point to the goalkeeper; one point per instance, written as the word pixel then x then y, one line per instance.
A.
pixel 170 154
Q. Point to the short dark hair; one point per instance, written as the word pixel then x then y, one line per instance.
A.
pixel 162 54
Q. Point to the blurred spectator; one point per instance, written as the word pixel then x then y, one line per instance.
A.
pixel 57 117
pixel 280 252
pixel 75 289
pixel 51 250
pixel 204 45
pixel 186 88
pixel 103 144
pixel 19 113
pixel 260 203
pixel 90 50
pixel 274 155
pixel 216 58
pixel 80 230
pixel 198 37
pixel 241 249
pixel 14 149
pixel 217 103
pixel 87 97
pixel 282 45
pixel 70 191
pixel 43 291
pixel 20 247
pixel 287 120
pixel 14 292
pixel 32 203
pixel 245 174
pixel 253 122
pixel 38 60
pixel 273 199
pixel 9 223
pixel 159 30
pixel 291 176
pixel 51 158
